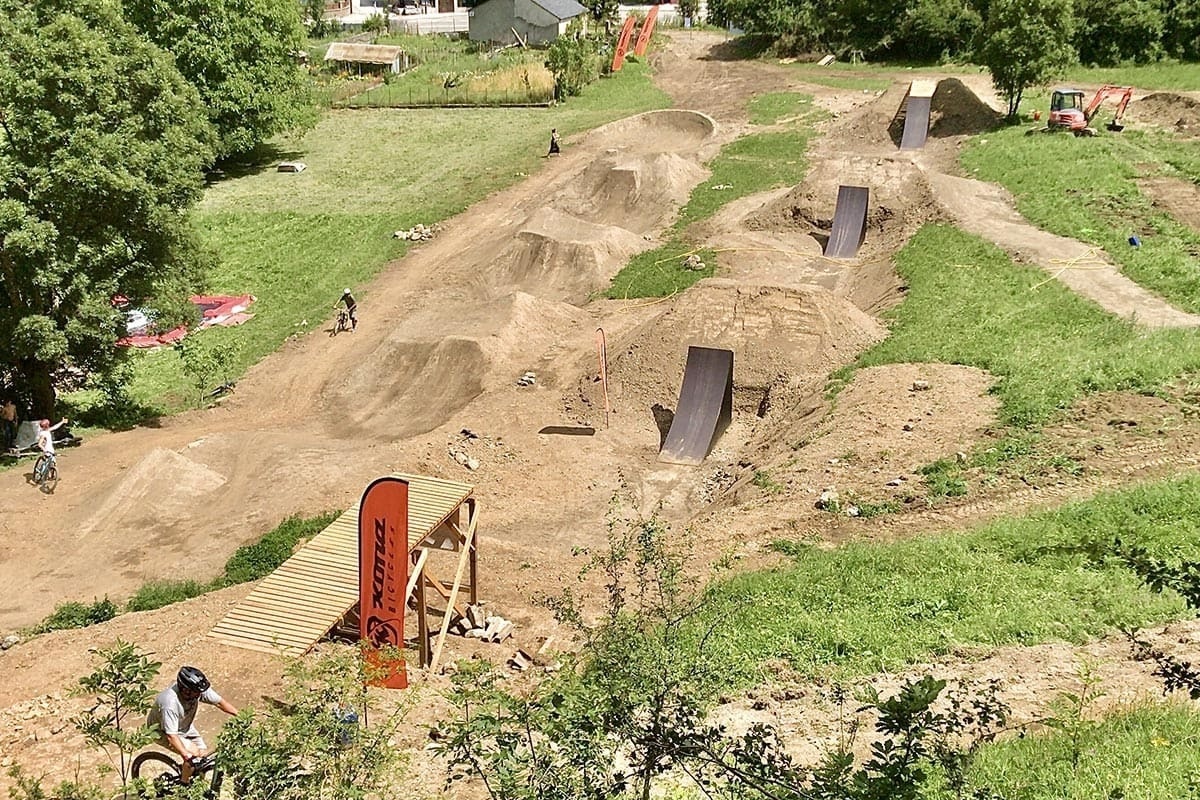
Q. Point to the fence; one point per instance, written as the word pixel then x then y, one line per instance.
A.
pixel 386 96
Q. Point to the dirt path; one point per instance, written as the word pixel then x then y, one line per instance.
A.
pixel 988 211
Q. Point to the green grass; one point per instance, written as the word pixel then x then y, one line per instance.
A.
pixel 1163 75
pixel 865 608
pixel 1148 753
pixel 294 240
pixel 77 615
pixel 754 163
pixel 770 108
pixel 1086 189
pixel 968 303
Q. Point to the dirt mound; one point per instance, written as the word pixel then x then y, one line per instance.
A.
pixel 406 388
pixel 955 110
pixel 1178 197
pixel 163 483
pixel 869 128
pixel 1167 110
pixel 669 130
pixel 783 339
pixel 901 201
pixel 638 192
pixel 562 257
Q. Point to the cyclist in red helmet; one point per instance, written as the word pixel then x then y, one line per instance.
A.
pixel 174 714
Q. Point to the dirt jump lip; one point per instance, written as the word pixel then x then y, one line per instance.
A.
pixel 666 130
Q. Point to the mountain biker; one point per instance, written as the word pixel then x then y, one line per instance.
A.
pixel 351 308
pixel 174 714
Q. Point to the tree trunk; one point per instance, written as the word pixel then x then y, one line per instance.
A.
pixel 42 398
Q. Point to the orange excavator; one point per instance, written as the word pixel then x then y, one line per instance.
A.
pixel 1067 112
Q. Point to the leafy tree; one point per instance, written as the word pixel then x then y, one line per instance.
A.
pixel 102 146
pixel 932 28
pixel 572 60
pixel 1026 42
pixel 604 13
pixel 1111 31
pixel 241 57
pixel 121 687
pixel 1182 38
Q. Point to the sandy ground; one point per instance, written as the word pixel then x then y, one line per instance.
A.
pixel 504 289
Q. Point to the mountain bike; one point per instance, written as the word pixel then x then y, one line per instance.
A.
pixel 342 323
pixel 45 472
pixel 163 773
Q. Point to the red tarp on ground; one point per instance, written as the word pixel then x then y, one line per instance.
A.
pixel 223 310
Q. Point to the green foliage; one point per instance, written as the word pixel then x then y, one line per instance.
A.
pixel 208 361
pixel 1116 31
pixel 241 56
pixel 28 787
pixel 321 723
pixel 120 687
pixel 944 479
pixel 77 615
pixel 1145 752
pixel 257 560
pixel 660 272
pixel 931 29
pixel 969 304
pixel 101 157
pixel 375 23
pixel 604 13
pixel 1098 200
pixel 572 60
pixel 864 608
pixel 157 594
pixel 1026 43
pixel 770 108
pixel 1183 29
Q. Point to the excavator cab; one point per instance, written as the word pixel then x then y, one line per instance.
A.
pixel 1066 110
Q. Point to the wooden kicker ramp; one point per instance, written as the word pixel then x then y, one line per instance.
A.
pixel 301 601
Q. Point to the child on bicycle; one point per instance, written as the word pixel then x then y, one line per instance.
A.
pixel 351 308
pixel 45 435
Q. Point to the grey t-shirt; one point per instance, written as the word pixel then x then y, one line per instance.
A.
pixel 174 717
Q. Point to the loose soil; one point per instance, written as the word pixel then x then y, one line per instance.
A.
pixel 505 289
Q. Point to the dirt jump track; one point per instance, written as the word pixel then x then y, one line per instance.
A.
pixel 504 289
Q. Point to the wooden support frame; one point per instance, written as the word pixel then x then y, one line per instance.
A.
pixel 450 536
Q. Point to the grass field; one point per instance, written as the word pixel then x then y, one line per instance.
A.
pixel 294 240
pixel 968 303
pixel 867 607
pixel 1086 188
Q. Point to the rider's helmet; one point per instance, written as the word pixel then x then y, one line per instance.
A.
pixel 345 292
pixel 193 680
pixel 44 424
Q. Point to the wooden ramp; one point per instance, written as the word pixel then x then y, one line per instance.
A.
pixel 297 604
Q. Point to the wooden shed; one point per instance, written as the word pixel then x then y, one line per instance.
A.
pixel 368 57
pixel 535 21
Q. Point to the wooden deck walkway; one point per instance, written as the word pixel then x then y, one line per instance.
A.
pixel 297 604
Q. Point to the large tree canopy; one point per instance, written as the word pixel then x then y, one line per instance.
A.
pixel 1025 43
pixel 241 56
pixel 102 147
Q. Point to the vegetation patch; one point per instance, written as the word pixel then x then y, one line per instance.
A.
pixel 770 108
pixel 968 303
pixel 1148 753
pixel 866 608
pixel 745 166
pixel 1086 188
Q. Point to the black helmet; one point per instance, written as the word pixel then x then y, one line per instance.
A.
pixel 192 679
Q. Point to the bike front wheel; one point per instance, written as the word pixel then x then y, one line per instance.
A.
pixel 155 767
pixel 50 481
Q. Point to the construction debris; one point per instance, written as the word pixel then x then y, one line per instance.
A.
pixel 528 379
pixel 520 661
pixel 417 233
pixel 478 624
pixel 693 262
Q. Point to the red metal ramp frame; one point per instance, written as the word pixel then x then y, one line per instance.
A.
pixel 705 406
pixel 849 222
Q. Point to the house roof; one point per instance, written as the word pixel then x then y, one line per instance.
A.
pixel 563 9
pixel 363 53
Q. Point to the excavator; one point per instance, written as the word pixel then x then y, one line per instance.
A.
pixel 1067 112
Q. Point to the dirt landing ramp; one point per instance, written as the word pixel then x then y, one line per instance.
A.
pixel 849 222
pixel 705 406
pixel 988 210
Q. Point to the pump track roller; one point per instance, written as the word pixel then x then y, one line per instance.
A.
pixel 705 406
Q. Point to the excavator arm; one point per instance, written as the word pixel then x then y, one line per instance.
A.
pixel 1105 92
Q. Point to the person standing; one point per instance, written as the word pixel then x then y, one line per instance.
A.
pixel 554 142
pixel 8 424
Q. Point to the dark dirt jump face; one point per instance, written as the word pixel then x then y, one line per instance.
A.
pixel 705 406
pixel 849 222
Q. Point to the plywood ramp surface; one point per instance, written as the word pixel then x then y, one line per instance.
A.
pixel 293 607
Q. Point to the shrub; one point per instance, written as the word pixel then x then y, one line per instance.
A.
pixel 254 561
pixel 77 615
pixel 163 593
